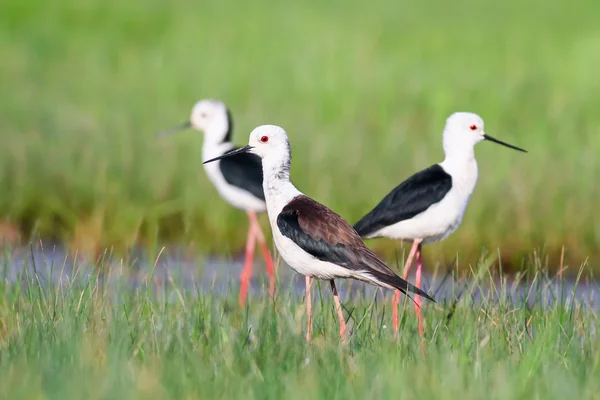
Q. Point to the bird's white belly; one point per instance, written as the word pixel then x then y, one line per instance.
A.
pixel 233 195
pixel 304 263
pixel 435 224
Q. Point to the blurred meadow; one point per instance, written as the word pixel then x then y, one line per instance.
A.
pixel 363 89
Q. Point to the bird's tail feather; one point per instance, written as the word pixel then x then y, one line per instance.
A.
pixel 402 285
pixel 382 273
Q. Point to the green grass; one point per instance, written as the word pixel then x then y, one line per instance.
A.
pixel 363 89
pixel 88 340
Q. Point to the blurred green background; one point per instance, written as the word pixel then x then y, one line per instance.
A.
pixel 363 89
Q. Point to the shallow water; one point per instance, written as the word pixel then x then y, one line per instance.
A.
pixel 52 265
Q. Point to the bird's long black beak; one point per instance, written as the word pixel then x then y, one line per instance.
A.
pixel 491 139
pixel 245 149
pixel 180 127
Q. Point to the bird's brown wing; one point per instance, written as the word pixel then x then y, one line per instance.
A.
pixel 321 223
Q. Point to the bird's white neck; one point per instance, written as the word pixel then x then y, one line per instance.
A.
pixel 278 188
pixel 217 136
pixel 460 163
pixel 459 155
pixel 212 149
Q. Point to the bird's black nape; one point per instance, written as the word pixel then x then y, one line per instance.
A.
pixel 510 146
pixel 229 133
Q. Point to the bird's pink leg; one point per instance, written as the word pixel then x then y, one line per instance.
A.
pixel 395 319
pixel 338 308
pixel 396 296
pixel 265 251
pixel 411 256
pixel 418 299
pixel 308 308
pixel 247 271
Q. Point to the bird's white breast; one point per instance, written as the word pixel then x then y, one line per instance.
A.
pixel 238 198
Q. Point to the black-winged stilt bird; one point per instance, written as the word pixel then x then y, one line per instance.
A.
pixel 237 179
pixel 429 206
pixel 312 239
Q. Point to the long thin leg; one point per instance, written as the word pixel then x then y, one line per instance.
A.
pixel 265 251
pixel 247 271
pixel 396 296
pixel 338 308
pixel 418 299
pixel 411 256
pixel 308 308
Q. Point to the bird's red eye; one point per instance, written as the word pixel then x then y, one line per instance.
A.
pixel 473 127
pixel 264 139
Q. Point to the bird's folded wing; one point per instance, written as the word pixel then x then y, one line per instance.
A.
pixel 412 197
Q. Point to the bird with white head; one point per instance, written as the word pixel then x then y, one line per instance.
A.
pixel 429 206
pixel 313 240
pixel 237 179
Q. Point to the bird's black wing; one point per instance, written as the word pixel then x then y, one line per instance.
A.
pixel 412 197
pixel 244 170
pixel 328 237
